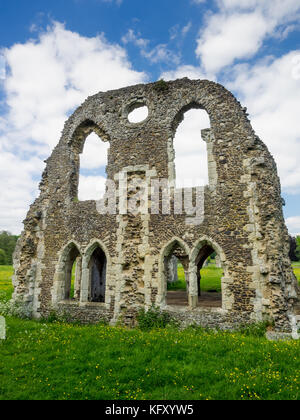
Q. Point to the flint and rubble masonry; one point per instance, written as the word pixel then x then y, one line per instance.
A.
pixel 242 216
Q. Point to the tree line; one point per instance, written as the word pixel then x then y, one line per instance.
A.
pixel 7 247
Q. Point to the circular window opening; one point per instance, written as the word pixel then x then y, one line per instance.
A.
pixel 138 114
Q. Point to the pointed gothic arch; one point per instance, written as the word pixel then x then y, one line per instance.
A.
pixel 177 248
pixel 89 183
pixel 203 249
pixel 190 163
pixel 63 277
pixel 95 266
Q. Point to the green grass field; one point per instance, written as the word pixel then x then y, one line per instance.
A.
pixel 296 267
pixel 41 360
pixel 211 279
pixel 6 287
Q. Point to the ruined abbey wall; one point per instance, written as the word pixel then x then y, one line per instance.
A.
pixel 241 215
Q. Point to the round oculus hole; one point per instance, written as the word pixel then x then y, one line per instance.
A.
pixel 138 114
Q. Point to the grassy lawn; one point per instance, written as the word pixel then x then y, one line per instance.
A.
pixel 210 279
pixel 296 267
pixel 55 361
pixel 59 361
pixel 6 288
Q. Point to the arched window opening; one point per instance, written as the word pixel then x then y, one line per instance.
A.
pixel 97 270
pixel 72 275
pixel 176 266
pixel 191 163
pixel 92 175
pixel 209 276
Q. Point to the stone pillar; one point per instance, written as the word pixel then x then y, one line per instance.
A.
pixel 77 285
pixel 218 262
pixel 133 246
pixel 172 269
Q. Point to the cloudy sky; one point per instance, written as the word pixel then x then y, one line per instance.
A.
pixel 55 53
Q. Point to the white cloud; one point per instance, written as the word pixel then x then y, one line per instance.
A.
pixel 160 53
pixel 17 188
pixel 50 77
pixel 136 39
pixel 47 79
pixel 228 38
pixel 238 30
pixel 271 94
pixel 177 32
pixel 118 2
pixel 2 67
pixel 186 29
pixel 238 4
pixel 293 224
pixel 270 90
pixel 279 9
pixel 189 71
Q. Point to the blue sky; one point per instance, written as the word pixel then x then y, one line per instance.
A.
pixel 156 20
pixel 54 53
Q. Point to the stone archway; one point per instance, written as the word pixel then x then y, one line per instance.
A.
pixel 95 273
pixel 97 283
pixel 63 276
pixel 178 249
pixel 201 251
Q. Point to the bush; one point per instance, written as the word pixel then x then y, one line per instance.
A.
pixel 154 318
pixel 52 318
pixel 298 248
pixel 8 244
pixel 16 309
pixel 254 330
pixel 161 86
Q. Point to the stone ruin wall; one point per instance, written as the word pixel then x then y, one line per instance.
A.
pixel 243 219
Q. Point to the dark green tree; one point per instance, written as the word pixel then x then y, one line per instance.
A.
pixel 3 257
pixel 298 248
pixel 8 244
pixel 293 247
